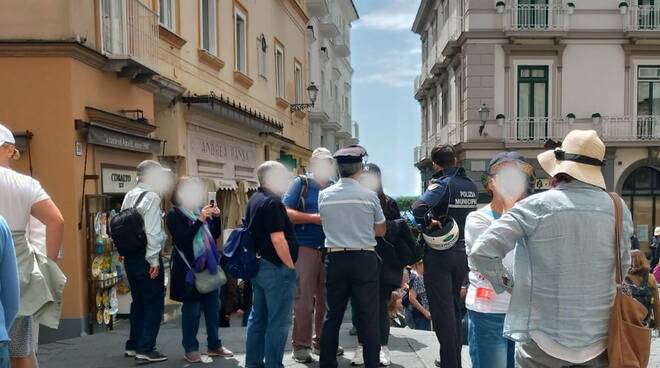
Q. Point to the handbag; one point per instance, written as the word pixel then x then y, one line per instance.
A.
pixel 629 340
pixel 205 281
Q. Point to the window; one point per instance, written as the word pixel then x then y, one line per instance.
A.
pixel 241 41
pixel 445 106
pixel 279 70
pixel 114 19
pixel 648 100
pixel 298 79
pixel 649 14
pixel 322 89
pixel 208 27
pixel 532 102
pixel 263 56
pixel 167 16
pixel 434 112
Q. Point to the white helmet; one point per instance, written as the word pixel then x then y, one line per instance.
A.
pixel 444 236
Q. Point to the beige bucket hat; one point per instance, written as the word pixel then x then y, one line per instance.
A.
pixel 580 156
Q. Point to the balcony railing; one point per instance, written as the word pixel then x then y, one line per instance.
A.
pixel 529 130
pixel 129 31
pixel 329 25
pixel 535 17
pixel 631 128
pixel 643 18
pixel 451 31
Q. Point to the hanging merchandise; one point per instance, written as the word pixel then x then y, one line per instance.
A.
pixel 105 271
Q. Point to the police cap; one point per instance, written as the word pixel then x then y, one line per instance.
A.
pixel 350 154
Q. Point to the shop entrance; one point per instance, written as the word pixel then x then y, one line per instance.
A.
pixel 641 192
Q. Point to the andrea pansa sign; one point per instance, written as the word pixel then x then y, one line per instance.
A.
pixel 222 148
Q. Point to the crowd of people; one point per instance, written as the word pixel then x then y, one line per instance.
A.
pixel 533 288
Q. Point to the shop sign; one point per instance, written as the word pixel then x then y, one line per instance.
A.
pixel 118 180
pixel 110 138
pixel 221 148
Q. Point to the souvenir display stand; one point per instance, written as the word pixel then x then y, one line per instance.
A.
pixel 104 269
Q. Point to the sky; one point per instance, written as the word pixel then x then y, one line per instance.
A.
pixel 386 57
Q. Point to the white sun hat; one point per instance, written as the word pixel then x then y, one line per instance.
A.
pixel 580 156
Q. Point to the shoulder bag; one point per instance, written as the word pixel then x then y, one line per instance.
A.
pixel 629 340
pixel 205 281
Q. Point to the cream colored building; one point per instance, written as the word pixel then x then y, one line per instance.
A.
pixel 543 68
pixel 329 40
pixel 91 88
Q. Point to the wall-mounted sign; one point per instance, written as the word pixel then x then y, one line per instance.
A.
pixel 117 180
pixel 115 139
pixel 79 149
pixel 231 154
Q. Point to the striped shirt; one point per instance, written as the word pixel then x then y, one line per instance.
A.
pixel 349 212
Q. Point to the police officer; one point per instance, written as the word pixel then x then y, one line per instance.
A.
pixel 442 210
pixel 352 218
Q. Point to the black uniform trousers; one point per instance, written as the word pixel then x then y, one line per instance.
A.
pixel 444 274
pixel 351 275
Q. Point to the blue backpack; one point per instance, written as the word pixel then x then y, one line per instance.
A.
pixel 240 253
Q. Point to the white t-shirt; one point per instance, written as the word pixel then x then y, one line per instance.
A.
pixel 480 295
pixel 18 193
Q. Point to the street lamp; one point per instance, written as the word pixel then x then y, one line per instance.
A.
pixel 312 92
pixel 484 114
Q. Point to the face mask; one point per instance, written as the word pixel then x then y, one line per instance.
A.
pixel 511 183
pixel 191 194
pixel 370 181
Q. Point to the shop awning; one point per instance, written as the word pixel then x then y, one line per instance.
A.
pixel 104 136
pixel 225 184
pixel 229 109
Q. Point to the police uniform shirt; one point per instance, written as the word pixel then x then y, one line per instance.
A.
pixel 349 212
pixel 452 194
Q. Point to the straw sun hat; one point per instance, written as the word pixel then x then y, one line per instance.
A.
pixel 580 156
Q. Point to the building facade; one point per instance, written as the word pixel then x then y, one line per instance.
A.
pixel 538 69
pixel 92 88
pixel 329 35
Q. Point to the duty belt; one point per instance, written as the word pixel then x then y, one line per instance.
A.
pixel 337 250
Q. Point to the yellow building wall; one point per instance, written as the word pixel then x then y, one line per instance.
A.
pixel 272 18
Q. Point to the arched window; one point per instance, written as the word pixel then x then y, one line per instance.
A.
pixel 641 191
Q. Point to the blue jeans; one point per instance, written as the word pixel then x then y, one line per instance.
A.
pixel 4 354
pixel 270 318
pixel 190 314
pixel 147 306
pixel 488 347
pixel 421 323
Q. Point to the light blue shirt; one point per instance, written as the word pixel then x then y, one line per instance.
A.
pixel 563 278
pixel 9 288
pixel 349 212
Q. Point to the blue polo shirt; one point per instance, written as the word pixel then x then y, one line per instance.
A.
pixel 309 235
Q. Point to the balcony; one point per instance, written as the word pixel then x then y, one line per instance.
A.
pixel 317 8
pixel 447 45
pixel 536 18
pixel 644 18
pixel 341 45
pixel 334 118
pixel 425 80
pixel 417 154
pixel 129 36
pixel 329 26
pixel 639 130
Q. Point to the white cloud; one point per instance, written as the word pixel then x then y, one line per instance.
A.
pixel 393 77
pixel 399 15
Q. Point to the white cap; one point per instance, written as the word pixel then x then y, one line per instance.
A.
pixel 6 136
pixel 322 153
pixel 657 231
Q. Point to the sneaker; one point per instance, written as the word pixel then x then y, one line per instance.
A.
pixel 358 358
pixel 193 357
pixel 317 351
pixel 130 353
pixel 302 356
pixel 385 356
pixel 222 352
pixel 154 356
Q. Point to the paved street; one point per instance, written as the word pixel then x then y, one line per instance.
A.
pixel 410 349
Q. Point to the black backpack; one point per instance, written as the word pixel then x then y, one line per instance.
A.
pixel 127 231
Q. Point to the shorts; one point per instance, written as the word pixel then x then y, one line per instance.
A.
pixel 22 338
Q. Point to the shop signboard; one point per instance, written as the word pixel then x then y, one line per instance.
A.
pixel 118 180
pixel 228 152
pixel 115 139
pixel 542 184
